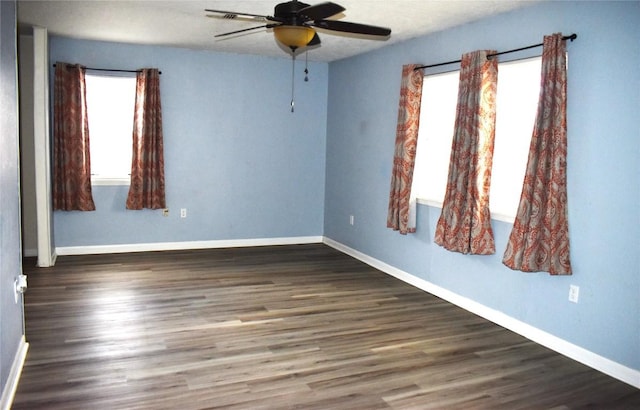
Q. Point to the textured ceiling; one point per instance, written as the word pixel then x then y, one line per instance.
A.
pixel 186 24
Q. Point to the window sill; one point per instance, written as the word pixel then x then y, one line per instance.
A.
pixel 494 215
pixel 110 181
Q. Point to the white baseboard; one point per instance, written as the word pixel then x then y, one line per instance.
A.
pixel 177 246
pixel 577 353
pixel 9 391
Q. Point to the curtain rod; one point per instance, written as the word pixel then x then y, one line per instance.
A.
pixel 114 70
pixel 571 37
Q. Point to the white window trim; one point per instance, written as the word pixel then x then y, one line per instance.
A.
pixel 110 181
pixel 494 215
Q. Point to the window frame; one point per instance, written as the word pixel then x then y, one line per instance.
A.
pixel 96 179
pixel 494 215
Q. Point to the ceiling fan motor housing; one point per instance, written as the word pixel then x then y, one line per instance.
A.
pixel 288 13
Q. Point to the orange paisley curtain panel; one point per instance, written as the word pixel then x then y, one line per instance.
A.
pixel 401 213
pixel 539 240
pixel 71 189
pixel 147 168
pixel 465 221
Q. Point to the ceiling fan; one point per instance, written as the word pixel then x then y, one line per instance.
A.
pixel 293 23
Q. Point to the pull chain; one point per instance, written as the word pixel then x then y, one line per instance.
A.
pixel 293 85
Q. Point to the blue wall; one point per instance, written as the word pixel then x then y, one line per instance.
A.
pixel 603 174
pixel 11 317
pixel 242 164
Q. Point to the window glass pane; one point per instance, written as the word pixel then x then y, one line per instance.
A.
pixel 437 118
pixel 110 107
pixel 516 104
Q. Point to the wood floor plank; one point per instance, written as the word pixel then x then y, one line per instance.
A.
pixel 284 327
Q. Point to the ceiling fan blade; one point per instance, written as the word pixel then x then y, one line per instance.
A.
pixel 315 41
pixel 320 11
pixel 356 28
pixel 246 29
pixel 235 14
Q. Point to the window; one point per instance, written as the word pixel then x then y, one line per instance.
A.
pixel 516 106
pixel 110 108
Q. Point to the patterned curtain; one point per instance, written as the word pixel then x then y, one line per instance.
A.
pixel 401 214
pixel 147 167
pixel 465 222
pixel 539 240
pixel 71 160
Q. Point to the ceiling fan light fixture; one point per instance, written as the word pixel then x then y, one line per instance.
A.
pixel 294 36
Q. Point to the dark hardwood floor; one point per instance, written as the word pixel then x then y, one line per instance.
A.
pixel 285 327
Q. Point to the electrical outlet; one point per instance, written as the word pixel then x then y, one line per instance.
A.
pixel 351 219
pixel 183 212
pixel 165 212
pixel 574 293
